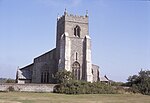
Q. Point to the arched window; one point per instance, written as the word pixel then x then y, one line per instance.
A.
pixel 45 74
pixel 77 31
pixel 76 70
pixel 45 77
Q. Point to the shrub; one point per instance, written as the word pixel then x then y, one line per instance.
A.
pixel 63 76
pixel 67 85
pixel 10 88
pixel 113 83
pixel 10 81
pixel 140 83
pixel 82 87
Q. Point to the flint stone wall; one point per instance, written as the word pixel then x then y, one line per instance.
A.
pixel 27 87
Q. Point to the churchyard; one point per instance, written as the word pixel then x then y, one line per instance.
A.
pixel 28 97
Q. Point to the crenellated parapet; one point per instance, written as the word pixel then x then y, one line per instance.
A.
pixel 73 18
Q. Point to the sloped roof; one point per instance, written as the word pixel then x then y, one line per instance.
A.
pixel 24 74
pixel 104 79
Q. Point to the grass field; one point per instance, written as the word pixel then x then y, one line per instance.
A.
pixel 24 97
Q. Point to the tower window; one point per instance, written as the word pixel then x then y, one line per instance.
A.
pixel 76 70
pixel 77 31
pixel 76 56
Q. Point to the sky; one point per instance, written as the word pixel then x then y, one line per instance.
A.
pixel 119 29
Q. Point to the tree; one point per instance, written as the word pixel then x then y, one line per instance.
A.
pixel 141 82
pixel 63 76
pixel 10 81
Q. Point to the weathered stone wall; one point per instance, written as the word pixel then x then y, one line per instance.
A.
pixel 74 48
pixel 95 71
pixel 77 54
pixel 72 21
pixel 27 87
pixel 88 59
pixel 44 63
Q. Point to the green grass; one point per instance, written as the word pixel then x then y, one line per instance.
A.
pixel 24 97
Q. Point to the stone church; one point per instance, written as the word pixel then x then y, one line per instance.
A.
pixel 72 53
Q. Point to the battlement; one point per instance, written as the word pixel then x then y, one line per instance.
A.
pixel 73 18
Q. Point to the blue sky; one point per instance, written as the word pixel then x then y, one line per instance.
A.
pixel 120 32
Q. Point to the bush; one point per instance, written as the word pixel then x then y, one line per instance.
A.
pixel 140 83
pixel 67 85
pixel 113 83
pixel 10 88
pixel 10 81
pixel 82 87
pixel 63 76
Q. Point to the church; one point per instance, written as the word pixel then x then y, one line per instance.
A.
pixel 72 53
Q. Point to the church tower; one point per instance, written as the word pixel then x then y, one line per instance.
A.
pixel 73 46
pixel 72 53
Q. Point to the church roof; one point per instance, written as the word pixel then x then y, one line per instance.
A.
pixel 24 74
pixel 104 79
